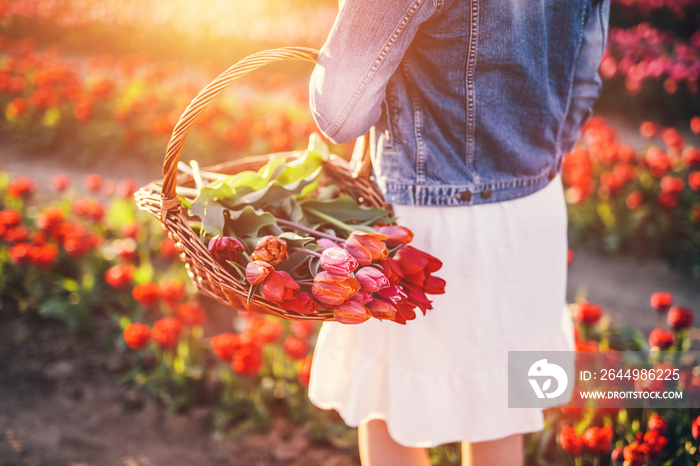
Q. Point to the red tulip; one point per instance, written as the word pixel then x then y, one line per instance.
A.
pixel 588 313
pixel 147 294
pixel 392 270
pixel 166 332
pixel 338 261
pixel 171 290
pixel 247 360
pixel 661 338
pixel 635 454
pixel 305 304
pixel 618 455
pixel 21 187
pixel 60 182
pixel 371 279
pixel 191 314
pixel 695 428
pixel 295 347
pixel 366 247
pixel 381 309
pixel 679 318
pixel 655 443
pixel 351 312
pixel 305 371
pixel 658 423
pixel 598 440
pixel 661 301
pixel 225 344
pixel 225 248
pixel 279 286
pixel 302 328
pixel 93 182
pixel 570 441
pixel 333 289
pixel 694 181
pixel 257 271
pixel 397 235
pixel 412 260
pixel 137 335
pixel 434 285
pixel 271 249
pixel 119 276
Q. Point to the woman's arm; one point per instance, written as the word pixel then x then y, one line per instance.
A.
pixel 586 80
pixel 363 50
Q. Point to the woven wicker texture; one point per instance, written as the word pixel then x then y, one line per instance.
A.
pixel 160 198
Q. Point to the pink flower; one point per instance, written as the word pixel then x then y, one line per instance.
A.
pixel 279 286
pixel 366 247
pixel 338 261
pixel 371 279
pixel 257 271
pixel 333 289
pixel 351 312
pixel 381 309
pixel 397 235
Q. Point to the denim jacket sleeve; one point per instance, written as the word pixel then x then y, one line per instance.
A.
pixel 586 80
pixel 364 48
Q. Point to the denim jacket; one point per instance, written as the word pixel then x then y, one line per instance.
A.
pixel 468 101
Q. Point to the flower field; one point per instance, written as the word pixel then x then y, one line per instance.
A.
pixel 79 257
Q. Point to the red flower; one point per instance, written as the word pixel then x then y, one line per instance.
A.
pixel 618 455
pixel 648 129
pixel 661 301
pixel 279 286
pixel 49 218
pixel 137 335
pixel 171 290
pixel 588 313
pixel 695 125
pixel 130 230
pixel 351 312
pixel 60 182
pixel 90 208
pixel 21 187
pixel 247 360
pixel 302 328
pixel 167 248
pixel 658 423
pixel 333 289
pixel 20 254
pixel 10 217
pixel 305 304
pixel 44 255
pixel 634 200
pixel 166 332
pixel 570 441
pixel 672 185
pixel 338 261
pixel 661 338
pixel 225 344
pixel 295 347
pixel 396 235
pixel 413 261
pixel 305 371
pixel 191 314
pixel 225 248
pixel 119 276
pixel 371 279
pixel 93 182
pixel 263 330
pixel 679 318
pixel 147 294
pixel 434 285
pixel 126 188
pixel 257 271
pixel 392 270
pixel 366 247
pixel 381 309
pixel 598 440
pixel 672 138
pixel 695 428
pixel 655 443
pixel 694 181
pixel 271 249
pixel 635 454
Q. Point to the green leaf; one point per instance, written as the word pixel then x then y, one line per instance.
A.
pixel 75 316
pixel 295 260
pixel 346 209
pixel 208 208
pixel 295 241
pixel 247 222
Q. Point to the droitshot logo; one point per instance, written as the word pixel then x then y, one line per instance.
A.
pixel 541 375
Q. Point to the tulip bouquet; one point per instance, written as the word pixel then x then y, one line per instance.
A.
pixel 300 243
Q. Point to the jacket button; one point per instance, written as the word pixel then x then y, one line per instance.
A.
pixel 465 195
pixel 552 174
pixel 486 193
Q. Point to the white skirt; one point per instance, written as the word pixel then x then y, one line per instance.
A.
pixel 443 378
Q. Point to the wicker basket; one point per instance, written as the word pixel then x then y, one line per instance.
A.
pixel 160 199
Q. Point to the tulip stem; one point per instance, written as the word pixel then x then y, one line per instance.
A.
pixel 307 251
pixel 337 223
pixel 309 230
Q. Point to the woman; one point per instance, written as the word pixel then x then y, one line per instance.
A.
pixel 470 106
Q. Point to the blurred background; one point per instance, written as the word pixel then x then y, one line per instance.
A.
pixel 89 94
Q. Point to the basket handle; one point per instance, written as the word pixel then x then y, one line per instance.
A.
pixel 169 199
